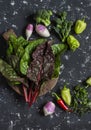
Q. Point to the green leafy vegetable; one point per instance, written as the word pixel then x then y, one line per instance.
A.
pixel 43 16
pixel 80 100
pixel 10 74
pixel 7 71
pixel 13 60
pixel 63 26
pixel 12 41
pixel 59 48
pixel 15 51
pixel 10 49
pixel 42 66
pixel 56 67
pixel 26 58
pixel 20 51
pixel 16 45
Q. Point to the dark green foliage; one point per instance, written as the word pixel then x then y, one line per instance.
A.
pixel 63 26
pixel 43 16
pixel 80 101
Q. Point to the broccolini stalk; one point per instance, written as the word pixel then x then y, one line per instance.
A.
pixel 63 26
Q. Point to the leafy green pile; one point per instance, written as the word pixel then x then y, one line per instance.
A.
pixel 30 63
pixel 80 100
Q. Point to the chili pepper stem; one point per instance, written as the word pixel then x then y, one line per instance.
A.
pixel 83 19
pixel 69 110
pixel 54 94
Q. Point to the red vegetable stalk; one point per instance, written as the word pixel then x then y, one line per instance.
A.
pixel 25 94
pixel 34 95
pixel 61 102
pixel 31 97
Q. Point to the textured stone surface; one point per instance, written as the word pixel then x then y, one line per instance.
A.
pixel 76 67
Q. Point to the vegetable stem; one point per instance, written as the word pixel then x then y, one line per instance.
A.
pixel 54 94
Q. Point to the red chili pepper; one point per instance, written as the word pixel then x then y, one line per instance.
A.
pixel 61 102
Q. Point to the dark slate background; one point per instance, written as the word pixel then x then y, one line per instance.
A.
pixel 76 67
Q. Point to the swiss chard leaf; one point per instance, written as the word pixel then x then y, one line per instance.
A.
pixel 56 67
pixel 26 58
pixel 7 71
pixel 16 43
pixel 10 74
pixel 13 60
pixel 59 48
pixel 42 66
pixel 12 44
pixel 20 51
pixel 15 50
pixel 10 49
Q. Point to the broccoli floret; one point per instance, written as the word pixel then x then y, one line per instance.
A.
pixel 43 16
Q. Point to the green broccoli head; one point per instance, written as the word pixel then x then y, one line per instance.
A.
pixel 43 16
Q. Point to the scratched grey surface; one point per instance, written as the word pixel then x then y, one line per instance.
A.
pixel 76 67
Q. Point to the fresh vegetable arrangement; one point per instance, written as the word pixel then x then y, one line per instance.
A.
pixel 30 64
pixel 61 102
pixel 76 100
